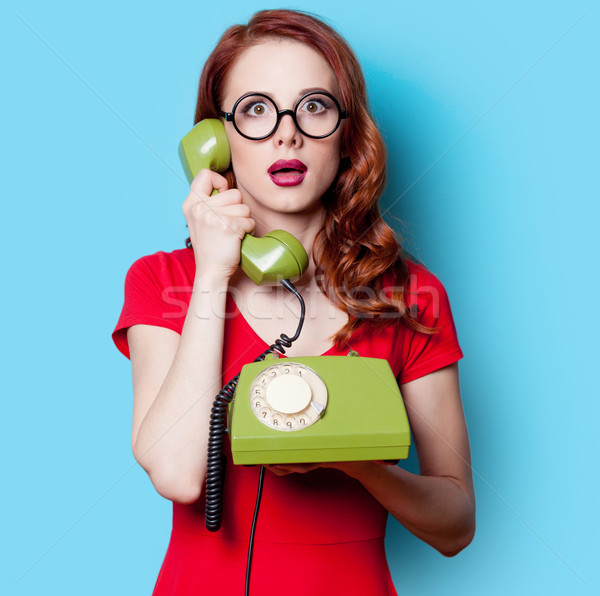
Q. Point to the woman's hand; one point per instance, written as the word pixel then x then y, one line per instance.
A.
pixel 217 224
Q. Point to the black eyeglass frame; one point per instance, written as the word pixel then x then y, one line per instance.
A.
pixel 230 116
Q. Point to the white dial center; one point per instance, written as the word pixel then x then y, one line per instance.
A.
pixel 288 394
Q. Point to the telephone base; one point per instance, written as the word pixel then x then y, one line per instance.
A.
pixel 316 455
pixel 362 415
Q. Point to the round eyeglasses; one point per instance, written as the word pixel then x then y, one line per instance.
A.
pixel 256 116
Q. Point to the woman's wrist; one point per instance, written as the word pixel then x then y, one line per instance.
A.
pixel 209 294
pixel 212 278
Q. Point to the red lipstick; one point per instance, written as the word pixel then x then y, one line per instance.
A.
pixel 287 172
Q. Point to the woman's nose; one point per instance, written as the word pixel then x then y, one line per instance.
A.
pixel 287 133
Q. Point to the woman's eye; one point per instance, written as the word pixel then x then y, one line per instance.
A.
pixel 255 109
pixel 259 109
pixel 314 106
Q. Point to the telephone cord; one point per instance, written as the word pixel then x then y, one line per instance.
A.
pixel 216 463
pixel 261 478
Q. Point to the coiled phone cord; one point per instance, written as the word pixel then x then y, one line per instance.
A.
pixel 215 469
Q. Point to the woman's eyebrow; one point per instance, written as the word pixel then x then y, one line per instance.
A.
pixel 313 90
pixel 300 93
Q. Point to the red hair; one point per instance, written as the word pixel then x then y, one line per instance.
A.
pixel 356 248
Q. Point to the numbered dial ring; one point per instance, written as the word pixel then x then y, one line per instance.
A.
pixel 288 396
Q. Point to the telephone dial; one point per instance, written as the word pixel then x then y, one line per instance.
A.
pixel 293 410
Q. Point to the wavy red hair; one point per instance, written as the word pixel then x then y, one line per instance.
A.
pixel 356 249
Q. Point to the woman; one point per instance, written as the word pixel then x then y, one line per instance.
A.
pixel 191 320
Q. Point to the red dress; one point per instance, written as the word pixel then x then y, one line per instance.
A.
pixel 317 533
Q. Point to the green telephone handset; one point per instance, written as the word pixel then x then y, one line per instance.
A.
pixel 275 256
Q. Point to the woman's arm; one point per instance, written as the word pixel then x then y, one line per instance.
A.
pixel 175 379
pixel 438 505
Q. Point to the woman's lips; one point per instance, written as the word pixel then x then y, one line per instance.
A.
pixel 287 172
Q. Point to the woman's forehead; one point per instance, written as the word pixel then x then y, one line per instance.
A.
pixel 281 69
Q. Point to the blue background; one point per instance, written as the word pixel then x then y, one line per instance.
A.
pixel 489 110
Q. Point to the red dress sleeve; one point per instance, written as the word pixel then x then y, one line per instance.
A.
pixel 422 353
pixel 157 292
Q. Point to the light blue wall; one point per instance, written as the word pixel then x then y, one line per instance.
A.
pixel 490 111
